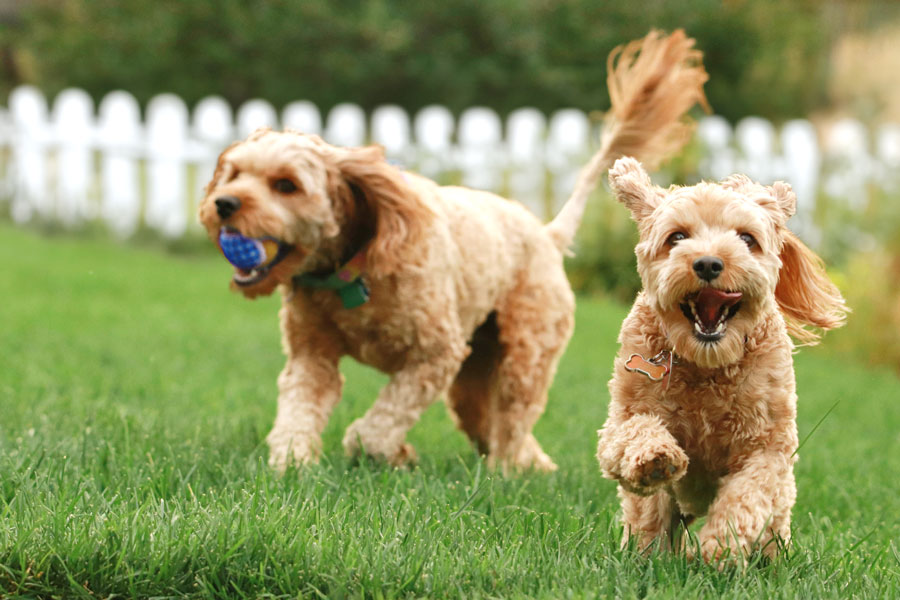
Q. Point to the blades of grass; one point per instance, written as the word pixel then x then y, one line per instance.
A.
pixel 813 430
pixel 468 501
pixel 861 540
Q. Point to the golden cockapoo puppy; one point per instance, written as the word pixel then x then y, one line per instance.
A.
pixel 702 415
pixel 446 289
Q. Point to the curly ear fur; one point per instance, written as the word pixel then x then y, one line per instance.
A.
pixel 785 198
pixel 633 188
pixel 401 218
pixel 778 198
pixel 804 293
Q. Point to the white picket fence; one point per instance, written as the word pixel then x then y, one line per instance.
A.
pixel 71 164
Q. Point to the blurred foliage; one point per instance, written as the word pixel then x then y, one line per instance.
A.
pixel 604 260
pixel 766 57
pixel 861 245
pixel 870 282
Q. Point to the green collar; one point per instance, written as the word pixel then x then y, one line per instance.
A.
pixel 346 281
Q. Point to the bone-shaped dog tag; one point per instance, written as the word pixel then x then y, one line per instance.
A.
pixel 654 370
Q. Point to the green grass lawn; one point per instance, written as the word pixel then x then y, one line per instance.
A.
pixel 136 393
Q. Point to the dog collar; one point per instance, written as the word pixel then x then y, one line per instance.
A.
pixel 347 281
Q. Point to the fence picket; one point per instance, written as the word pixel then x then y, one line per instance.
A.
pixel 120 138
pixel 568 147
pixel 212 131
pixel 254 114
pixel 434 140
pixel 888 153
pixel 716 137
pixel 526 129
pixel 480 155
pixel 28 111
pixel 302 116
pixel 850 166
pixel 346 125
pixel 756 141
pixel 73 128
pixel 390 128
pixel 802 162
pixel 167 129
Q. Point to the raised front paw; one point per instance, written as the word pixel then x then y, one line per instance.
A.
pixel 291 449
pixel 646 469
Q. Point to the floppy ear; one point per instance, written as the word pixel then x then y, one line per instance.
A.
pixel 400 215
pixel 633 188
pixel 804 293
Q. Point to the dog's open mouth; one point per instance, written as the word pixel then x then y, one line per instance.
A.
pixel 709 310
pixel 252 258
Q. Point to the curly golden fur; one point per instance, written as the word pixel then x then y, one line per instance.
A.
pixel 468 295
pixel 717 435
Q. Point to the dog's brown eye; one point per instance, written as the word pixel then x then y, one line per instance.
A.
pixel 676 237
pixel 284 186
pixel 748 239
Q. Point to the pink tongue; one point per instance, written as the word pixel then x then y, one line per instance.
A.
pixel 711 303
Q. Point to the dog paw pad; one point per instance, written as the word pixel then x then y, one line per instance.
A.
pixel 657 470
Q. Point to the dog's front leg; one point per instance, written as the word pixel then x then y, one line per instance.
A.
pixel 643 456
pixel 308 389
pixel 752 507
pixel 640 454
pixel 381 432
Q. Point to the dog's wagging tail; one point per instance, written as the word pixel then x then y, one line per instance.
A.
pixel 653 83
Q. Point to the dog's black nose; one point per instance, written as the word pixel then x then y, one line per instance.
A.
pixel 227 206
pixel 708 267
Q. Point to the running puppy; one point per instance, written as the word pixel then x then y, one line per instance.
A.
pixel 703 402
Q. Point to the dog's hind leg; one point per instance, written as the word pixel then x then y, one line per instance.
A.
pixel 535 323
pixel 471 395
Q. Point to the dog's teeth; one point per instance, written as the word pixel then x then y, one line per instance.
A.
pixel 697 327
pixel 721 327
pixel 693 308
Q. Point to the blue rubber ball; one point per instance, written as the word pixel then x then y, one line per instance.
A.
pixel 243 252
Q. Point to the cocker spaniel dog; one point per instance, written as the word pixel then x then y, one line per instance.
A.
pixel 703 401
pixel 447 290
